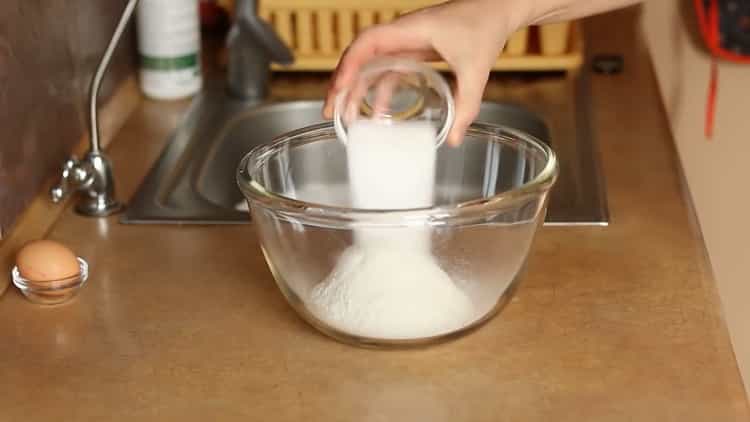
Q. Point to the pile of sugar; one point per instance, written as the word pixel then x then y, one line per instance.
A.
pixel 388 284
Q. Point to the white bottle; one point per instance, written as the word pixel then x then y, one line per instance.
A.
pixel 169 48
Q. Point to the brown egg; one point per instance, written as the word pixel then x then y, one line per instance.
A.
pixel 46 260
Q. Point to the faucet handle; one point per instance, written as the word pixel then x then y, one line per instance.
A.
pixel 267 37
pixel 253 45
pixel 70 163
pixel 59 192
pixel 75 175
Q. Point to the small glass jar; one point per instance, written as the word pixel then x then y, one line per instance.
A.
pixel 390 90
pixel 51 292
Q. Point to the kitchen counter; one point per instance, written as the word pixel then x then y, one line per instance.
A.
pixel 613 323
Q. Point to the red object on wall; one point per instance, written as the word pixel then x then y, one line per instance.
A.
pixel 725 28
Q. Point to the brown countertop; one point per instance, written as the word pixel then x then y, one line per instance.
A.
pixel 613 323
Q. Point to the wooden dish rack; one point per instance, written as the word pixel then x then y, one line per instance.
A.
pixel 318 31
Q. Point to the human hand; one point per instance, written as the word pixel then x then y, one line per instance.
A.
pixel 465 34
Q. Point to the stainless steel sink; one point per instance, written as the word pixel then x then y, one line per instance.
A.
pixel 194 179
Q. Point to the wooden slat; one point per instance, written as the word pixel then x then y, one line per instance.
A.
pixel 264 12
pixel 304 31
pixel 346 28
pixel 517 43
pixel 283 26
pixel 387 15
pixel 365 18
pixel 324 30
pixel 554 38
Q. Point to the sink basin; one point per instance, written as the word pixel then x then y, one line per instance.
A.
pixel 194 179
pixel 216 173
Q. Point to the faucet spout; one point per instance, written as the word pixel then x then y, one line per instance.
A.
pixel 252 45
pixel 92 176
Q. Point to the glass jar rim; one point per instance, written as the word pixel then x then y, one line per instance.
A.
pixel 403 65
pixel 323 214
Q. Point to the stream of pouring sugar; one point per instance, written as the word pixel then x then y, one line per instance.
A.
pixel 388 284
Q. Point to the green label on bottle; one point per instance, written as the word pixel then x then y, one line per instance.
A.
pixel 169 63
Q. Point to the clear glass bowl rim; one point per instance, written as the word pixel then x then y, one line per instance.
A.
pixel 303 211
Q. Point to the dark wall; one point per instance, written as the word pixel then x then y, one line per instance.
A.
pixel 48 52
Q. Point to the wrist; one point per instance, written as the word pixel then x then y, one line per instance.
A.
pixel 502 18
pixel 518 14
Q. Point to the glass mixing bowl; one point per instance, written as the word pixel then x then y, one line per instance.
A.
pixel 490 197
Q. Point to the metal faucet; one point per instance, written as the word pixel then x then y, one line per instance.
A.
pixel 252 45
pixel 92 175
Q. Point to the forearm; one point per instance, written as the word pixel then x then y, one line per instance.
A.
pixel 551 11
pixel 520 13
